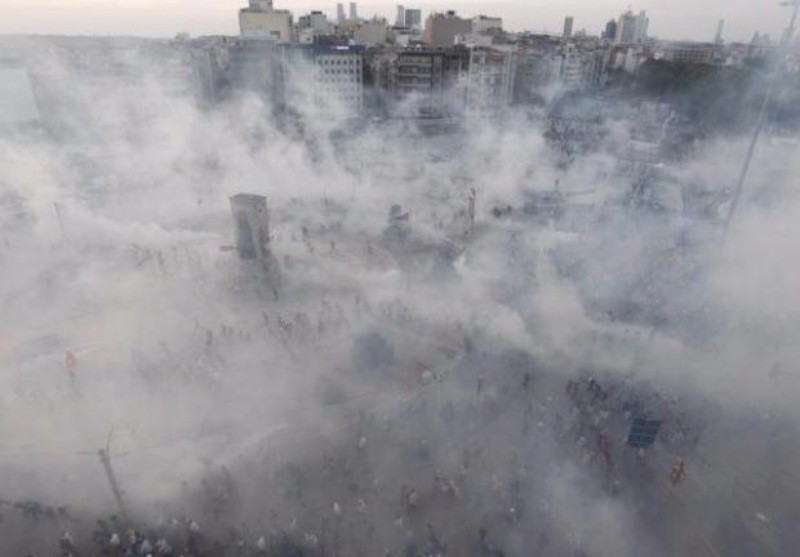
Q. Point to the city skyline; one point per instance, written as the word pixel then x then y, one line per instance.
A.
pixel 680 19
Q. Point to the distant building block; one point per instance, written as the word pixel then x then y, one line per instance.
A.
pixel 252 226
pixel 643 432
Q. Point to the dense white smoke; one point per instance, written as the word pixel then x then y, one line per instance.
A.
pixel 126 318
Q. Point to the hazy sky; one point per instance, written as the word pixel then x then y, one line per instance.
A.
pixel 695 19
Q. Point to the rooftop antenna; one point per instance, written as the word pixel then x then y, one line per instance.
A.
pixel 783 50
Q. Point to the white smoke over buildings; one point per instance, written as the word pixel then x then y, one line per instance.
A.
pixel 392 371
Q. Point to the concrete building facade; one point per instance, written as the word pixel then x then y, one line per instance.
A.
pixel 610 31
pixel 442 29
pixel 316 21
pixel 628 58
pixel 632 29
pixel 569 22
pixel 720 30
pixel 314 25
pixel 413 18
pixel 689 52
pixel 537 67
pixel 261 21
pixel 339 77
pixel 580 68
pixel 256 66
pixel 432 76
pixel 482 24
pixel 372 33
pixel 472 40
pixel 490 84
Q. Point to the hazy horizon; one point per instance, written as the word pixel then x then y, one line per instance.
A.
pixel 680 19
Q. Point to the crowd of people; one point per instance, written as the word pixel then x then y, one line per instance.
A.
pixel 454 466
pixel 457 464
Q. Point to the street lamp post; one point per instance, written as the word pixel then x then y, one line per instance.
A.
pixel 789 33
pixel 784 47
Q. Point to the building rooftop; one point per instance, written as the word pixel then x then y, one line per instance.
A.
pixel 326 48
pixel 248 197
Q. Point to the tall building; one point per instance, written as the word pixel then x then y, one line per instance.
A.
pixel 413 19
pixel 610 32
pixel 401 17
pixel 261 21
pixel 442 29
pixel 353 11
pixel 340 15
pixel 720 29
pixel 569 22
pixel 632 29
pixel 642 23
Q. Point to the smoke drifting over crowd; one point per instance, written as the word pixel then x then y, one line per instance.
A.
pixel 402 378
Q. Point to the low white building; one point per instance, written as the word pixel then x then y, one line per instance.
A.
pixel 686 52
pixel 627 58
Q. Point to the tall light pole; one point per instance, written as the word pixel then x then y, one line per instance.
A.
pixel 789 33
pixel 762 115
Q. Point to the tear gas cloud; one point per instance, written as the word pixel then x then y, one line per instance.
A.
pixel 408 385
